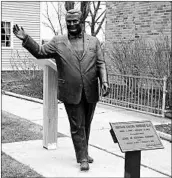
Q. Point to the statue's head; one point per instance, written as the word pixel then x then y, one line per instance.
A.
pixel 73 22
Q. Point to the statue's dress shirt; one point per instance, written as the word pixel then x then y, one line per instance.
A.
pixel 77 43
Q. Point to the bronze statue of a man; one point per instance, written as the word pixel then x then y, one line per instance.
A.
pixel 80 63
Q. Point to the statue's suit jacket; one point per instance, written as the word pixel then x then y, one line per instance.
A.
pixel 74 73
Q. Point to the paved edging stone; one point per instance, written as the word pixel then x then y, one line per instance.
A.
pixel 36 100
pixel 161 134
pixel 165 136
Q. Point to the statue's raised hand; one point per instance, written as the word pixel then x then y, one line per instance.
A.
pixel 19 33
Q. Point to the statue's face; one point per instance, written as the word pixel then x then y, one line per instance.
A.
pixel 73 26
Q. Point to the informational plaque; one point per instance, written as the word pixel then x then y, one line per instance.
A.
pixel 136 135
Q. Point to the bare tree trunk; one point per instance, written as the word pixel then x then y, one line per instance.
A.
pixel 170 81
pixel 69 5
pixel 96 20
pixel 85 9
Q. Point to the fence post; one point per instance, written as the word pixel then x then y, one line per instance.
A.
pixel 164 95
pixel 50 108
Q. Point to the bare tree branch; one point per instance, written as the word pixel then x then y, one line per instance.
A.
pixel 58 16
pixel 94 20
pixel 47 16
pixel 47 25
pixel 100 16
pixel 91 13
pixel 100 25
pixel 96 9
pixel 94 5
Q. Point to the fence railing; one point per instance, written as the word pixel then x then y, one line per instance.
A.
pixel 139 93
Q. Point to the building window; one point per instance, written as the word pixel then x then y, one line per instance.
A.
pixel 6 40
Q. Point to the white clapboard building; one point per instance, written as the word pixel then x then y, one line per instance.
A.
pixel 25 14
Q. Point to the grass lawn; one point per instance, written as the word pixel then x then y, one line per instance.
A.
pixel 16 129
pixel 12 168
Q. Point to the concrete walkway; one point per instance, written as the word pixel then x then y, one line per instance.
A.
pixel 109 160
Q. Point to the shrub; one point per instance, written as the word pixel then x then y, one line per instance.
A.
pixel 141 57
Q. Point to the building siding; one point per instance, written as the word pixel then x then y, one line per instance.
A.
pixel 27 15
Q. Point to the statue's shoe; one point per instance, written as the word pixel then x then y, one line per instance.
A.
pixel 90 160
pixel 84 166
